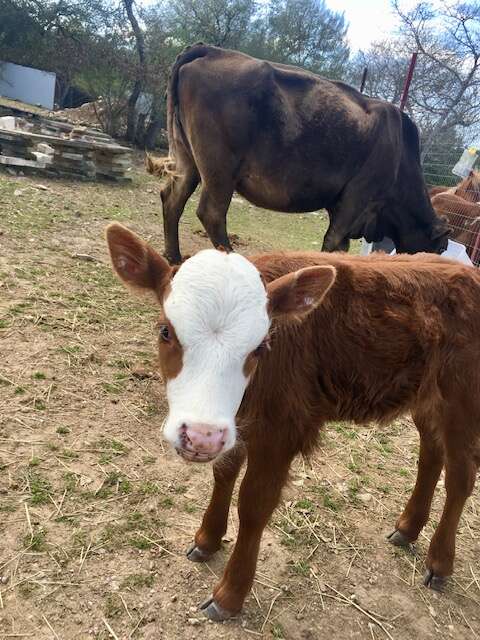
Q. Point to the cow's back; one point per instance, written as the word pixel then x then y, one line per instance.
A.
pixel 285 126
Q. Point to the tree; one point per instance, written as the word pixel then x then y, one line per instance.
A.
pixel 140 72
pixel 447 79
pixel 308 34
pixel 224 23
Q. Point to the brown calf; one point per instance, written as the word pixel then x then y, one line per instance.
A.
pixel 362 339
pixel 463 218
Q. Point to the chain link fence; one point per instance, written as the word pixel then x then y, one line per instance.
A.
pixel 454 188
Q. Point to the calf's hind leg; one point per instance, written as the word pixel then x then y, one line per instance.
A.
pixel 208 538
pixel 430 464
pixel 462 459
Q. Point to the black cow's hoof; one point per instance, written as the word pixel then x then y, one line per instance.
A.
pixel 437 583
pixel 214 611
pixel 398 539
pixel 195 554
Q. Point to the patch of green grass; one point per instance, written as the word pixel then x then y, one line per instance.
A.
pixel 148 488
pixel 4 324
pixel 403 472
pixel 6 507
pixel 181 488
pixel 34 461
pixel 384 488
pixel 277 631
pixel 70 481
pixel 112 387
pixel 114 481
pixel 149 459
pixel 19 391
pixel 301 568
pixel 70 349
pixel 139 542
pixel 39 404
pixel 113 606
pixel 63 430
pixel 37 541
pixel 304 505
pixel 40 488
pixel 327 499
pixel 69 454
pixel 39 375
pixel 190 508
pixel 135 580
pixel 166 502
pixel 346 430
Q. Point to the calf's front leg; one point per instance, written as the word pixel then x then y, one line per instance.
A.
pixel 260 491
pixel 209 536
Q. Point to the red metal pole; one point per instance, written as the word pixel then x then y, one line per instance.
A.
pixel 408 80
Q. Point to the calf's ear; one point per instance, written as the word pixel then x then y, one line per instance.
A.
pixel 135 262
pixel 294 295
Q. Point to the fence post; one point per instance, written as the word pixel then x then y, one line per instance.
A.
pixel 364 79
pixel 408 80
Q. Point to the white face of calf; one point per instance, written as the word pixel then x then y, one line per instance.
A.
pixel 217 307
pixel 215 316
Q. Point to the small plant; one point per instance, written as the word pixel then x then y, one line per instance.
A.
pixel 138 542
pixel 39 375
pixel 277 631
pixel 39 489
pixel 63 430
pixel 148 488
pixel 113 606
pixel 34 461
pixel 69 454
pixel 302 568
pixel 39 405
pixel 137 580
pixel 36 541
pixel 304 505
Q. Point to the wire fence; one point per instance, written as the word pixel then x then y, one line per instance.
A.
pixel 454 189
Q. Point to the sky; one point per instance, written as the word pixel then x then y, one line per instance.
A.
pixel 369 20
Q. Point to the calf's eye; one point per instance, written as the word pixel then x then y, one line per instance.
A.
pixel 263 346
pixel 164 333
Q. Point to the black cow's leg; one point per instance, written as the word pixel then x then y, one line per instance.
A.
pixel 212 210
pixel 174 196
pixel 334 241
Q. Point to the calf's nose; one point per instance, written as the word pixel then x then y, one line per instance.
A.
pixel 202 438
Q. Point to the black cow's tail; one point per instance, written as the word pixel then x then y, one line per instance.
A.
pixel 168 166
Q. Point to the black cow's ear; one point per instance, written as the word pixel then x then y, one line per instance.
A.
pixel 296 294
pixel 135 262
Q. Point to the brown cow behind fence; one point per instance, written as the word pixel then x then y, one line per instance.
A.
pixel 258 354
pixel 460 207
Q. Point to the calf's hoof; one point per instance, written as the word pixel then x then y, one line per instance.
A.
pixel 215 612
pixel 195 554
pixel 437 583
pixel 398 539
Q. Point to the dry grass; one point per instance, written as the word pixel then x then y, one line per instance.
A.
pixel 96 512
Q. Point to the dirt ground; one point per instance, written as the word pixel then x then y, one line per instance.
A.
pixel 96 512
